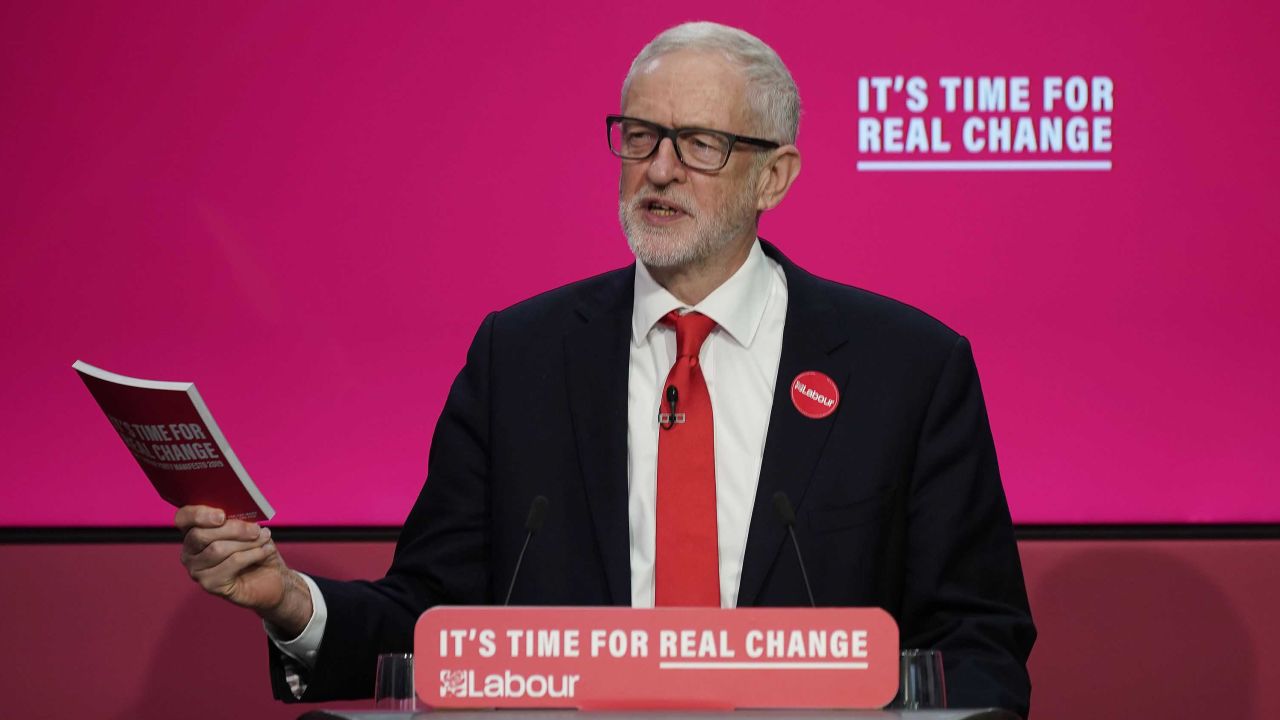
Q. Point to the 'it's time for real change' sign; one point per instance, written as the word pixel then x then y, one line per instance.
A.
pixel 601 658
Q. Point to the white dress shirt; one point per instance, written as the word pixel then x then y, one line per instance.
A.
pixel 739 361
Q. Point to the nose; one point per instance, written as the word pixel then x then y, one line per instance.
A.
pixel 665 166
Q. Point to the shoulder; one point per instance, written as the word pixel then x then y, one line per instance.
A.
pixel 886 316
pixel 551 314
pixel 592 294
pixel 864 316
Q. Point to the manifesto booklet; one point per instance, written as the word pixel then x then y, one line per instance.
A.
pixel 169 431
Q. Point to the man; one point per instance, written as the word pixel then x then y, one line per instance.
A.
pixel 661 407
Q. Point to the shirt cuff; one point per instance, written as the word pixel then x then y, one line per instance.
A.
pixel 306 646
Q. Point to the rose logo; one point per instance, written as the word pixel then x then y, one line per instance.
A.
pixel 453 682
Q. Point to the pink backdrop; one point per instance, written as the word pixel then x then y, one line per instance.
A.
pixel 308 209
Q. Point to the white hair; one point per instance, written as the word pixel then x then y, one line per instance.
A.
pixel 771 92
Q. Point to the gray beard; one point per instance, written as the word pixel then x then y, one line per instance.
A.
pixel 666 248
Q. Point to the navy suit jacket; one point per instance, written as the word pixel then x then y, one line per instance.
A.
pixel 897 493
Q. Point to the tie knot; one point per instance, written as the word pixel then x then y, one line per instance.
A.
pixel 692 330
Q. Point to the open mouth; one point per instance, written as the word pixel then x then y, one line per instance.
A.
pixel 661 209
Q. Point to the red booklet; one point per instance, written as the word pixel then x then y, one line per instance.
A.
pixel 171 434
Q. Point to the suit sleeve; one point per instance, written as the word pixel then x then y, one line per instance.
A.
pixel 964 592
pixel 441 556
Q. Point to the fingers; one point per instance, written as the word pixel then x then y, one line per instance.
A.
pixel 221 578
pixel 190 516
pixel 229 558
pixel 199 538
pixel 217 551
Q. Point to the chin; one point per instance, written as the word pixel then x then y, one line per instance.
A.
pixel 683 244
pixel 659 249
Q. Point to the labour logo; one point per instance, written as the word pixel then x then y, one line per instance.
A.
pixel 453 683
pixel 814 394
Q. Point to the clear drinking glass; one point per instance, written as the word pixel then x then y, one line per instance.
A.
pixel 393 688
pixel 921 684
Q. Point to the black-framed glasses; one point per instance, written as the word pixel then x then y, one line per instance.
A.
pixel 698 148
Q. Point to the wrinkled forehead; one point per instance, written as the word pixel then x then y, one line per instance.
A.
pixel 690 89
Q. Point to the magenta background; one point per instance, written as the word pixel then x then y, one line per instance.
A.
pixel 309 208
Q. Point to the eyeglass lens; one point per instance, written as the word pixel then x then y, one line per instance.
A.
pixel 698 149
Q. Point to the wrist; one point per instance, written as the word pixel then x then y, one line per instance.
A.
pixel 292 614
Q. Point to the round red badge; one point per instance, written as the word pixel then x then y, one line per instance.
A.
pixel 814 394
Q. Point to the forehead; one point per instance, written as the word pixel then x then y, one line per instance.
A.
pixel 689 89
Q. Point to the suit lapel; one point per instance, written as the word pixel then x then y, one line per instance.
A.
pixel 795 442
pixel 596 364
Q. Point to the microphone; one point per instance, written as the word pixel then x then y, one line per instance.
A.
pixel 787 514
pixel 537 513
pixel 673 396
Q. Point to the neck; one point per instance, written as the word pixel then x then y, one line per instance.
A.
pixel 692 283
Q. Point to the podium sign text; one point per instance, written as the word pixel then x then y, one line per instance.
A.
pixel 620 658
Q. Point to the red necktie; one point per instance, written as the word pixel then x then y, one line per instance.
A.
pixel 687 564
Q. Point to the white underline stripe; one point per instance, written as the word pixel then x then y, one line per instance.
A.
pixel 987 165
pixel 677 665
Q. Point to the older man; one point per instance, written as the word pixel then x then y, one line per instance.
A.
pixel 661 407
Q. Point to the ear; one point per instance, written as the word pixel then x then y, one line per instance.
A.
pixel 780 170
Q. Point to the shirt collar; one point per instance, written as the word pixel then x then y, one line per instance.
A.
pixel 737 305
